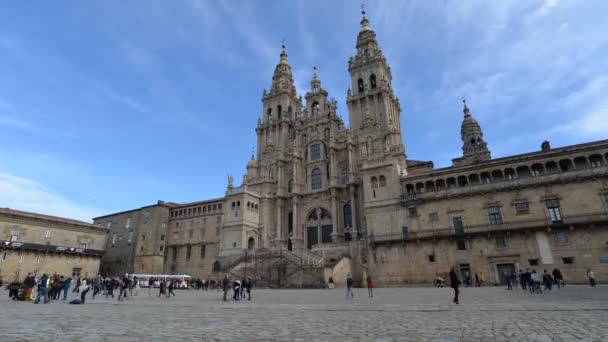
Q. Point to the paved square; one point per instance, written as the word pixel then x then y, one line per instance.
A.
pixel 575 313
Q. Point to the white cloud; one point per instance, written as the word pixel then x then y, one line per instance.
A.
pixel 29 195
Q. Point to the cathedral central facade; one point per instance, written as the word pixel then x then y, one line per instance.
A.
pixel 304 189
pixel 321 200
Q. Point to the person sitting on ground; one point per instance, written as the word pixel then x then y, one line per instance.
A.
pixel 13 290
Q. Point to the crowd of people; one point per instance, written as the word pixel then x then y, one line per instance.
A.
pixel 241 289
pixel 58 287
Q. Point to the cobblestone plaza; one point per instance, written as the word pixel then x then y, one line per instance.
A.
pixel 575 313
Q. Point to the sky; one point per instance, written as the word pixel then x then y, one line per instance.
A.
pixel 112 105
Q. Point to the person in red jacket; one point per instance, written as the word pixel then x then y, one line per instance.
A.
pixel 370 287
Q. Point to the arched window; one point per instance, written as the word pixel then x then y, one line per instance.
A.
pixel 233 204
pixel 316 108
pixel 315 152
pixel 290 186
pixel 251 243
pixel 216 266
pixel 372 81
pixel 374 182
pixel 279 111
pixel 238 203
pixel 269 114
pixel 382 181
pixel 344 176
pixel 360 85
pixel 348 219
pixel 315 179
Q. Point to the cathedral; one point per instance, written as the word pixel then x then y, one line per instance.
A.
pixel 320 200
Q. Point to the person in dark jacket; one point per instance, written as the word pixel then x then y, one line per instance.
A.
pixel 455 284
pixel 29 282
pixel 43 289
pixel 558 277
pixel 225 284
pixel 13 290
pixel 349 287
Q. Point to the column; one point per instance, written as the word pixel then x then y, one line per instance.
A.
pixel 279 212
pixel 279 178
pixel 332 167
pixel 334 216
pixel 319 233
pixel 353 210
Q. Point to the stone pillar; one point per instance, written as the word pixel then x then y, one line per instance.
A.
pixel 334 216
pixel 353 211
pixel 350 163
pixel 279 215
pixel 279 178
pixel 319 232
pixel 332 167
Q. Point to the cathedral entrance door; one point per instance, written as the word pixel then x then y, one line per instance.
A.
pixel 326 233
pixel 312 237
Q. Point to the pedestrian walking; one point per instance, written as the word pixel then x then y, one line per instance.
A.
pixel 558 278
pixel 172 284
pixel 370 287
pixel 349 287
pixel 455 284
pixel 482 279
pixel 122 285
pixel 66 287
pixel 225 284
pixel 330 283
pixel 535 277
pixel 150 286
pixel 547 280
pixel 509 280
pixel 591 277
pixel 236 287
pixel 161 288
pixel 247 285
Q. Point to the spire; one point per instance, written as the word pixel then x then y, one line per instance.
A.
pixel 282 79
pixel 474 148
pixel 364 21
pixel 465 110
pixel 315 84
pixel 283 54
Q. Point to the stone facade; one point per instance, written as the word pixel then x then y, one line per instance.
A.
pixel 319 199
pixel 38 243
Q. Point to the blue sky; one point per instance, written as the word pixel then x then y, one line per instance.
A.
pixel 111 105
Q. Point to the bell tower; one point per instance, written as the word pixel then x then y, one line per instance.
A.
pixel 374 110
pixel 280 108
pixel 474 148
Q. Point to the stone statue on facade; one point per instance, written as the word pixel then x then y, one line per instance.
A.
pixel 230 181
